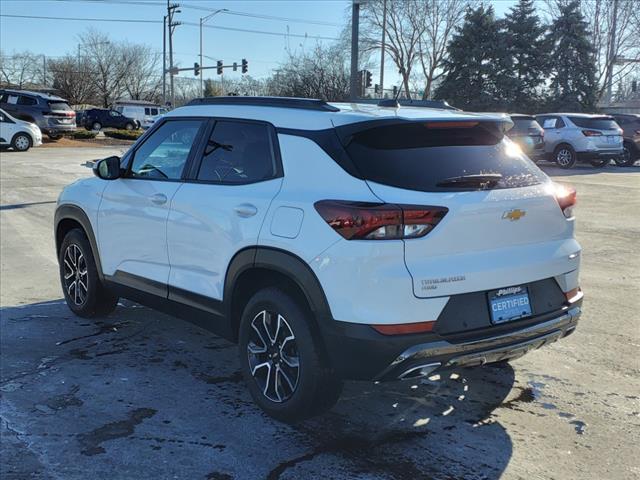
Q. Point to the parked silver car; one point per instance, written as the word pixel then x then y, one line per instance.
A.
pixel 579 137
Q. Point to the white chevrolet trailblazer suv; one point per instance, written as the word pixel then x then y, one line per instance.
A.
pixel 330 241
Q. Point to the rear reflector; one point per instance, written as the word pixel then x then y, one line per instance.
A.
pixel 574 295
pixel 404 328
pixel 566 197
pixel 379 221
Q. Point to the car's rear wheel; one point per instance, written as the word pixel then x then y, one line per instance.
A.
pixel 97 126
pixel 84 293
pixel 21 142
pixel 565 156
pixel 628 157
pixel 54 136
pixel 600 162
pixel 281 359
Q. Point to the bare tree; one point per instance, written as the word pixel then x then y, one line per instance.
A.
pixel 109 65
pixel 70 76
pixel 442 18
pixel 141 81
pixel 406 23
pixel 321 73
pixel 21 69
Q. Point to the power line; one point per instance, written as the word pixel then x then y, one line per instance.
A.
pixel 206 9
pixel 191 24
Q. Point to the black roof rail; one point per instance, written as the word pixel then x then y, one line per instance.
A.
pixel 279 102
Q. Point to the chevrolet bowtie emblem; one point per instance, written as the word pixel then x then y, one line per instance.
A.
pixel 513 215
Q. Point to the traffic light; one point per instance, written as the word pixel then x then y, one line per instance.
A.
pixel 367 79
pixel 376 88
pixel 235 66
pixel 245 65
pixel 219 67
pixel 634 86
pixel 196 69
pixel 395 90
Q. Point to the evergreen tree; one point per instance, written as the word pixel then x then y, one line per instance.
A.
pixel 527 51
pixel 572 61
pixel 476 64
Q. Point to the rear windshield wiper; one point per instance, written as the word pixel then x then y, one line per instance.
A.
pixel 482 181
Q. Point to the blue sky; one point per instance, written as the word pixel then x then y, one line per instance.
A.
pixel 56 37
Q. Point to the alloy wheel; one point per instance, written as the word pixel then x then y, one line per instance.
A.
pixel 625 158
pixel 274 361
pixel 76 278
pixel 564 157
pixel 22 143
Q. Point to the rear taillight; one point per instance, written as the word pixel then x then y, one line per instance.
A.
pixel 566 197
pixel 379 221
pixel 591 133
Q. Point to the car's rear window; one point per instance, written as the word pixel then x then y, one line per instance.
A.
pixel 55 105
pixel 416 157
pixel 598 123
pixel 525 125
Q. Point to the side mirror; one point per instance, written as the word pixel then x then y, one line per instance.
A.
pixel 107 168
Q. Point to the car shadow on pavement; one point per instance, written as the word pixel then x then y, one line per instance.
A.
pixel 143 395
pixel 585 169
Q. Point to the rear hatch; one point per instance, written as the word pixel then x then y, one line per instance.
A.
pixel 503 226
pixel 603 131
pixel 527 133
pixel 60 114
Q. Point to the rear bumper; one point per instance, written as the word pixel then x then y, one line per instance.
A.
pixel 599 154
pixel 358 352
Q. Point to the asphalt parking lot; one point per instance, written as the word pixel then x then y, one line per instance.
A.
pixel 144 396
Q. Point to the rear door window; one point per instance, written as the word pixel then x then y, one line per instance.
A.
pixel 25 100
pixel 415 156
pixel 238 153
pixel 597 123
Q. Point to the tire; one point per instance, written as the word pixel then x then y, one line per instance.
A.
pixel 129 126
pixel 75 256
pixel 291 393
pixel 565 156
pixel 54 136
pixel 97 126
pixel 21 142
pixel 600 163
pixel 628 158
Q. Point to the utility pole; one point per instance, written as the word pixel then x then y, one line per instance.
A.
pixel 202 21
pixel 355 24
pixel 172 9
pixel 612 52
pixel 164 60
pixel 384 37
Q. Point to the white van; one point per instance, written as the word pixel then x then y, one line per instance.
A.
pixel 145 113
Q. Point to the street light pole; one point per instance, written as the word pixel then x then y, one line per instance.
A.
pixel 164 61
pixel 384 33
pixel 202 21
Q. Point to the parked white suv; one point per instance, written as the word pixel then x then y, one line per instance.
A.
pixel 18 134
pixel 331 241
pixel 577 137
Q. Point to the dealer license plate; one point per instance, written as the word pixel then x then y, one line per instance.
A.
pixel 507 304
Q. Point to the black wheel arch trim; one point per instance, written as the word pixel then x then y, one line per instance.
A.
pixel 283 262
pixel 75 213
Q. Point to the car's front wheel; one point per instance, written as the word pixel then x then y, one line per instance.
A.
pixel 129 126
pixel 628 157
pixel 97 126
pixel 21 142
pixel 281 359
pixel 565 156
pixel 84 293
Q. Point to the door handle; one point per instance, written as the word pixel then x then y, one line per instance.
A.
pixel 245 210
pixel 159 198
